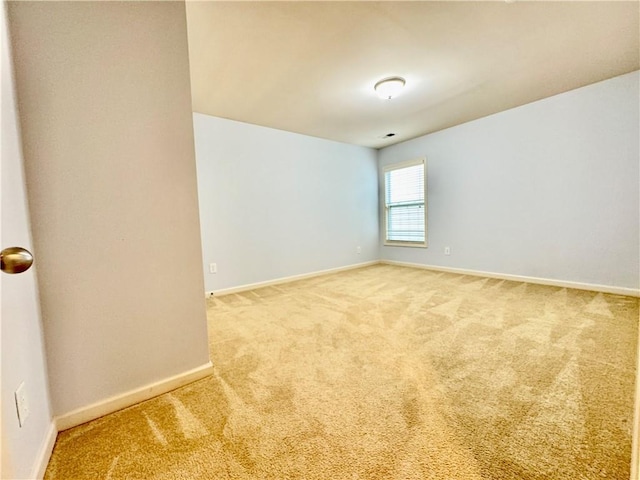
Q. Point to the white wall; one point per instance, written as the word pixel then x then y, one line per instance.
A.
pixel 547 190
pixel 275 204
pixel 105 109
pixel 22 344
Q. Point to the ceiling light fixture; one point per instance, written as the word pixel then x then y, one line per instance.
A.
pixel 388 88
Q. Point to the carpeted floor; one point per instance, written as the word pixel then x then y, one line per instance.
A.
pixel 388 373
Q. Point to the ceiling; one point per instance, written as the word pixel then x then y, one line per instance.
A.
pixel 310 67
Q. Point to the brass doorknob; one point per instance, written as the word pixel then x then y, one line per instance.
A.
pixel 15 260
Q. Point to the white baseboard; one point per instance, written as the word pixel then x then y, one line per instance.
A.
pixel 635 443
pixel 293 278
pixel 127 399
pixel 631 292
pixel 42 460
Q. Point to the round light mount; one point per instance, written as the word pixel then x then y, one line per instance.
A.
pixel 387 88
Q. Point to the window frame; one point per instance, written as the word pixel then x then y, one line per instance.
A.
pixel 385 208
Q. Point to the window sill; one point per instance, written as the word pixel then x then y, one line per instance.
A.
pixel 405 244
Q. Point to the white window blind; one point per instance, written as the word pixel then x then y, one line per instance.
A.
pixel 405 203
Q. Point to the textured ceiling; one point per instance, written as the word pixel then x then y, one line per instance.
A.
pixel 310 67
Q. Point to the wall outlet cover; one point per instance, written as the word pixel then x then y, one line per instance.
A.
pixel 22 404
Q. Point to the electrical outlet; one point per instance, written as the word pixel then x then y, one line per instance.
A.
pixel 22 404
pixel 213 268
pixel 447 251
pixel 358 250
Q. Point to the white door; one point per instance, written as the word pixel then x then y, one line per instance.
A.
pixel 22 352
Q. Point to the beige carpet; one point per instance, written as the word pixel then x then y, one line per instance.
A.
pixel 388 373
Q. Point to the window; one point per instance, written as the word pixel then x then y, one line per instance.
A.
pixel 405 206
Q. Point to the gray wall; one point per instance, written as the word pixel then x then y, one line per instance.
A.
pixel 547 190
pixel 275 204
pixel 22 345
pixel 105 109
